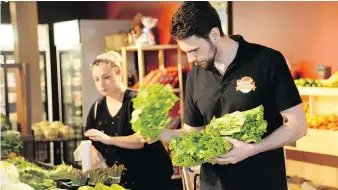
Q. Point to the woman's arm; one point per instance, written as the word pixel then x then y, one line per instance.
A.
pixel 129 142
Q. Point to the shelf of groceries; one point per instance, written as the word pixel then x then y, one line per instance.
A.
pixel 320 101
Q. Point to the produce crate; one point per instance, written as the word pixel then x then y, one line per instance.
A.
pixel 315 156
pixel 191 178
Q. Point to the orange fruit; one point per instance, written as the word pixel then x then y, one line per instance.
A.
pixel 323 120
pixel 333 118
pixel 322 127
pixel 315 123
pixel 332 125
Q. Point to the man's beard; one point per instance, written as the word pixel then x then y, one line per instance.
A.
pixel 209 64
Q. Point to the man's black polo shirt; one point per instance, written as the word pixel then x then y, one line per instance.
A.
pixel 258 75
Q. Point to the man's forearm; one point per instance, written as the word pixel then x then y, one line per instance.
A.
pixel 283 136
pixel 129 142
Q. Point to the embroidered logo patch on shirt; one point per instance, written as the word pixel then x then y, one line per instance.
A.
pixel 245 85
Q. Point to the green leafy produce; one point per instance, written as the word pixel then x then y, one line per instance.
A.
pixel 98 175
pixel 36 179
pixel 32 174
pixel 21 164
pixel 248 126
pixel 11 142
pixel 5 123
pixel 8 174
pixel 151 110
pixel 60 172
pixel 198 147
pixel 114 173
pixel 79 178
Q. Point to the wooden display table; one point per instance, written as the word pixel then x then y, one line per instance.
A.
pixel 315 156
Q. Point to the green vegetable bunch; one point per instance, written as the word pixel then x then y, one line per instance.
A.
pixel 79 178
pixel 248 126
pixel 22 164
pixel 32 174
pixel 5 123
pixel 60 172
pixel 198 147
pixel 114 173
pixel 151 110
pixel 11 142
pixel 97 175
pixel 36 179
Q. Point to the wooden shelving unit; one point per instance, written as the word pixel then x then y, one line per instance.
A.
pixel 141 65
pixel 317 152
pixel 141 70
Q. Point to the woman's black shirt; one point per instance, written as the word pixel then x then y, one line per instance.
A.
pixel 146 167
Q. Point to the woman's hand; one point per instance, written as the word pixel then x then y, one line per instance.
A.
pixel 96 135
pixel 96 157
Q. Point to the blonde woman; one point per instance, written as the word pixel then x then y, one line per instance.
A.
pixel 148 166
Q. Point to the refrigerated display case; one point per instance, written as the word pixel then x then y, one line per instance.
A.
pixel 7 57
pixel 78 42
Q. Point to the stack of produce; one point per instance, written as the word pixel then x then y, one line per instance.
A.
pixel 52 130
pixel 331 82
pixel 201 146
pixel 165 76
pixel 328 122
pixel 61 172
pixel 248 126
pixel 5 123
pixel 307 82
pixel 11 143
pixel 32 175
pixel 17 172
pixel 198 147
pixel 151 110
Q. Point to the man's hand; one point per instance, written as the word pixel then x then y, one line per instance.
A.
pixel 96 135
pixel 164 137
pixel 240 151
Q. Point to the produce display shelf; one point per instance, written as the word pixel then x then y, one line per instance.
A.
pixel 319 141
pixel 317 91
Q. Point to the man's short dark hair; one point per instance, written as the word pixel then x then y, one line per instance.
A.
pixel 195 18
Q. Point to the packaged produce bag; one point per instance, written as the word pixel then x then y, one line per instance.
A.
pixel 83 154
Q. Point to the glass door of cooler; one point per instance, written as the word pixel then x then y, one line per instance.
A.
pixel 43 84
pixel 8 89
pixel 7 57
pixel 2 88
pixel 71 87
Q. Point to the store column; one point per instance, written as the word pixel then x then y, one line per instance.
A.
pixel 24 19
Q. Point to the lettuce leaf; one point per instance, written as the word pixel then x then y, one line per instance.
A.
pixel 198 147
pixel 248 126
pixel 151 110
